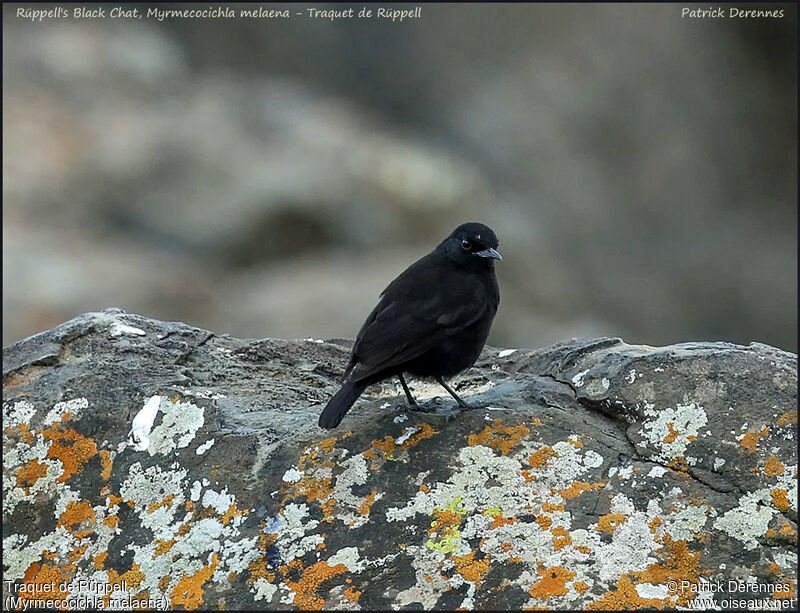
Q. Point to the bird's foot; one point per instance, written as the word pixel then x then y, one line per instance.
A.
pixel 471 406
pixel 435 406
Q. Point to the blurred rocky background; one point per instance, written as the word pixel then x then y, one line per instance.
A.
pixel 269 177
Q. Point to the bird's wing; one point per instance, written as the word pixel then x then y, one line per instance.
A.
pixel 418 310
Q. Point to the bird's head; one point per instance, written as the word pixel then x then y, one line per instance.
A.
pixel 472 244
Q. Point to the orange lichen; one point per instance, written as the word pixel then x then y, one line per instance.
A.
pixel 750 440
pixel 77 552
pixel 114 500
pixel 327 510
pixel 680 466
pixel 552 583
pixel 167 502
pixel 681 564
pixel 654 524
pixel 72 449
pixel 575 442
pixel 580 586
pixel 444 521
pixel 472 570
pixel 506 547
pixel 352 594
pixel 24 434
pixel 425 431
pixel 233 511
pixel 779 499
pixel 540 458
pixel 189 590
pixel 328 444
pixel 305 589
pixel 313 488
pixel 370 454
pixel 536 421
pixel 107 463
pixel 499 437
pixel 163 547
pixel 111 521
pixel 673 433
pixel 773 467
pixel 133 579
pixel 75 514
pixel 787 530
pixel 28 474
pixel 43 581
pixel 544 521
pixel 623 598
pixel 499 520
pixel 424 488
pixel 579 487
pixel 363 510
pixel 561 537
pixel 583 549
pixel 789 417
pixel 549 507
pixel 610 522
pixel 386 445
pixel 781 593
pixel 100 560
pixel 774 569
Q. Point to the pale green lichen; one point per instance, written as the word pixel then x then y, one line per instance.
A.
pixel 749 521
pixel 178 427
pixel 671 430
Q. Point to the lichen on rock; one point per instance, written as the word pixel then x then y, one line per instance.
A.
pixel 600 473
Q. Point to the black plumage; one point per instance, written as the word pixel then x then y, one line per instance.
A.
pixel 431 321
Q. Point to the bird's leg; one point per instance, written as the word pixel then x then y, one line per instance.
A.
pixel 413 403
pixel 461 402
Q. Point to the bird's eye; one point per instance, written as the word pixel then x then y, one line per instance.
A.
pixel 466 245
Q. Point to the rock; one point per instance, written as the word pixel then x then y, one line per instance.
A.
pixel 599 475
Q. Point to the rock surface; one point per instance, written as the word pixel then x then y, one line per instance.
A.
pixel 598 474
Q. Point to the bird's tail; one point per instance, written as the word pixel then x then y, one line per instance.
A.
pixel 340 404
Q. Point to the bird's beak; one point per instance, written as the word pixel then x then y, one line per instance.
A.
pixel 489 253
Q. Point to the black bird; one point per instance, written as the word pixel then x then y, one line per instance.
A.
pixel 431 321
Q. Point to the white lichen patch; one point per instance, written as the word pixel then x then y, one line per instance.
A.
pixel 652 591
pixel 506 352
pixel 577 380
pixel 292 475
pixel 219 501
pixel 178 426
pixel 263 590
pixel 20 412
pixel 73 408
pixel 686 523
pixel 749 521
pixel 120 329
pixel 205 447
pixel 349 557
pixel 670 430
pixel 148 489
